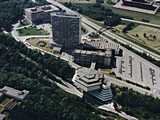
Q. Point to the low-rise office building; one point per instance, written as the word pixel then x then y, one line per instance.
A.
pixel 102 59
pixel 87 79
pixel 144 6
pixel 93 84
pixel 102 44
pixel 139 4
pixel 9 97
pixel 13 93
pixel 2 116
pixel 40 14
pixel 99 96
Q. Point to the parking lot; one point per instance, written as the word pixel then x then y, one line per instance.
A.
pixel 137 70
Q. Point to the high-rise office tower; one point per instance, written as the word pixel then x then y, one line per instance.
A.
pixel 66 29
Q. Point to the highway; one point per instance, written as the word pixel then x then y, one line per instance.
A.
pixel 108 33
pixel 111 37
pixel 68 87
pixel 120 39
pixel 141 23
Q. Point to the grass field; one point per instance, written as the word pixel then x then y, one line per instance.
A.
pixel 31 31
pixel 152 38
pixel 145 36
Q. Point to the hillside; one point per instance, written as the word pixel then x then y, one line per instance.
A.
pixel 23 68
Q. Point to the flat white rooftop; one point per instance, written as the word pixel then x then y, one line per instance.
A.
pixel 98 53
pixel 66 14
pixel 2 116
pixel 100 43
pixel 120 5
pixel 45 8
pixel 11 92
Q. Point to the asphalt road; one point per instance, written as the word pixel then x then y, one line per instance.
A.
pixel 120 39
pixel 108 33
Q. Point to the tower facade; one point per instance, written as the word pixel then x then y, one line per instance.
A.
pixel 66 29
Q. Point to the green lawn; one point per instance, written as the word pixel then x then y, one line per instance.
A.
pixel 149 40
pixel 31 31
pixel 136 35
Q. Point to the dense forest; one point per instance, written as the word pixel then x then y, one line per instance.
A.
pixel 18 69
pixel 25 58
pixel 23 68
pixel 12 10
pixel 143 107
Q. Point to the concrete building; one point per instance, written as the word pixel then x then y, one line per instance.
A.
pixel 9 97
pixel 88 79
pixel 144 6
pixel 66 30
pixel 86 57
pixel 139 4
pixel 11 92
pixel 2 116
pixel 40 14
pixel 101 44
pixel 99 96
pixel 93 84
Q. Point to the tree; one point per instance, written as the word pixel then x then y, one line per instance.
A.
pixel 137 104
pixel 45 101
pixel 145 35
pixel 154 37
pixel 112 20
pixel 12 10
pixel 128 27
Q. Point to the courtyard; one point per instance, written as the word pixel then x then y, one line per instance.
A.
pixel 41 43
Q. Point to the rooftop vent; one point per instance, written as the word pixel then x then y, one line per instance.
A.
pixel 46 7
pixel 34 9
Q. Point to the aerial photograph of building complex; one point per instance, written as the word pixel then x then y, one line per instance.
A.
pixel 79 59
